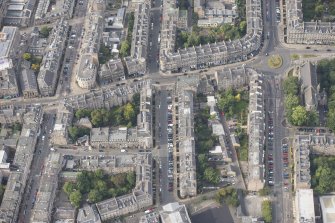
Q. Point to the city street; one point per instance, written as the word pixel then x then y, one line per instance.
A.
pixel 41 153
pixel 166 196
pixel 154 30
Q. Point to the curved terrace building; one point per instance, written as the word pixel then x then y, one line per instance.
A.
pixel 214 54
pixel 88 62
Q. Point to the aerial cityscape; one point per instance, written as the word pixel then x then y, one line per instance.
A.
pixel 167 111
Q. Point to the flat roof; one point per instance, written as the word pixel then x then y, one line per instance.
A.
pixel 328 208
pixel 305 205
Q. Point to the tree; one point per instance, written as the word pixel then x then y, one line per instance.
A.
pixel 99 174
pixel 17 127
pixel 212 175
pixel 82 112
pixel 95 196
pixel 319 9
pixel 202 159
pixel 69 187
pixel 84 182
pixel 104 54
pixel 77 132
pixel 119 180
pixel 226 101
pixel 312 118
pixel 267 211
pixel 331 119
pixel 124 49
pixel 243 27
pixel 291 101
pixel 2 191
pixel 76 198
pixel 128 112
pixel 35 67
pixel 291 85
pixel 228 195
pixel 299 115
pixel 131 179
pixel 96 118
pixel 45 31
pixel 26 56
pixel 326 178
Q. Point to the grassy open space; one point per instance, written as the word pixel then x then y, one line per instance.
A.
pixel 295 56
pixel 309 55
pixel 275 61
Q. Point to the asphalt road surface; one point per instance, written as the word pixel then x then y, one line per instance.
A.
pixel 153 44
pixel 165 195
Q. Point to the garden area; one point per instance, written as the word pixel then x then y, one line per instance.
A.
pixel 203 36
pixel 126 44
pixel 326 77
pixel 204 141
pixel 296 113
pixel 228 196
pixel 318 10
pixel 323 174
pixel 234 104
pixel 242 151
pixel 97 186
pixel 125 115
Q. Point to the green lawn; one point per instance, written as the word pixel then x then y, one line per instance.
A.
pixel 242 152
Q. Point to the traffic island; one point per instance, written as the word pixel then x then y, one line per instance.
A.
pixel 275 61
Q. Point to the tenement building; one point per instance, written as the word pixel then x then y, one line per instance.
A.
pixel 17 13
pixel 88 62
pixel 107 97
pixel 59 9
pixel 49 71
pixel 29 85
pixel 45 197
pixel 232 78
pixel 256 128
pixel 17 180
pixel 136 63
pixel 185 147
pixel 300 32
pixel 9 39
pixel 63 121
pixel 219 53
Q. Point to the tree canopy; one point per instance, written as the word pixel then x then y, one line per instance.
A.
pixel 299 115
pixel 323 174
pixel 228 195
pixel 212 175
pixel 26 56
pixel 77 132
pixel 76 198
pixel 97 186
pixel 45 31
pixel 291 85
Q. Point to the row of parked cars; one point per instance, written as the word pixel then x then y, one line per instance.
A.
pixel 170 143
pixel 286 174
pixel 317 130
pixel 270 148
